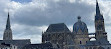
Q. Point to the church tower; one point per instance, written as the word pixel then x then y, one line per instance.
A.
pixel 8 32
pixel 99 25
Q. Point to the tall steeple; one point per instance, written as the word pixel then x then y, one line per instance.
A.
pixel 99 25
pixel 99 20
pixel 8 32
pixel 98 13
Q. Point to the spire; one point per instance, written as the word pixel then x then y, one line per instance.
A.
pixel 8 32
pixel 98 14
pixel 97 8
pixel 8 22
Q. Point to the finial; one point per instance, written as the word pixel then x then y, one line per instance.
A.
pixel 79 17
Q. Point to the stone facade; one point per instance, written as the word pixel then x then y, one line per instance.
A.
pixel 79 38
pixel 65 39
pixel 59 36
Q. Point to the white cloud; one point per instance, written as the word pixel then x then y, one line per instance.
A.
pixel 28 32
pixel 46 12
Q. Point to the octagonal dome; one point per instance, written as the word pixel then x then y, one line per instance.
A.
pixel 80 26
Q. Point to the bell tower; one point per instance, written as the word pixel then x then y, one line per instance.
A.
pixel 8 32
pixel 99 25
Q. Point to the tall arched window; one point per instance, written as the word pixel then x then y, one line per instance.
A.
pixel 80 42
pixel 86 41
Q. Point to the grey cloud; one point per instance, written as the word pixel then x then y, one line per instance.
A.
pixel 55 12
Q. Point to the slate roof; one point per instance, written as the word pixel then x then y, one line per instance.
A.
pixel 100 42
pixel 37 46
pixel 19 43
pixel 60 27
pixel 3 45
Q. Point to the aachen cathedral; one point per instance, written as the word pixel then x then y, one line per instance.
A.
pixel 79 37
pixel 58 36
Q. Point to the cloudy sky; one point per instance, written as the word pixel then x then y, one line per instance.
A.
pixel 30 17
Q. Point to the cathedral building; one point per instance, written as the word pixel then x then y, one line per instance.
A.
pixel 79 38
pixel 58 36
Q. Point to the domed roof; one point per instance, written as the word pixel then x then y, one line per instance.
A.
pixel 80 26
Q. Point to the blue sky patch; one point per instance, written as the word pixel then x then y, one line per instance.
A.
pixel 22 1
